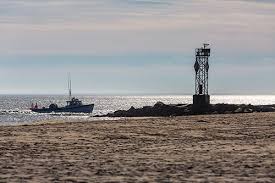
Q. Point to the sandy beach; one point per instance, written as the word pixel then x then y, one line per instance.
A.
pixel 210 148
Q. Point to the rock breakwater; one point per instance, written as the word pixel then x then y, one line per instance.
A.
pixel 164 110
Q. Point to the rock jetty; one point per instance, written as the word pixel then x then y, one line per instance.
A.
pixel 164 110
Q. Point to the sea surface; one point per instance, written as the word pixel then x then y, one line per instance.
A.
pixel 14 110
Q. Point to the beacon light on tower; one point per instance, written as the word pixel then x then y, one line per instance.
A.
pixel 201 99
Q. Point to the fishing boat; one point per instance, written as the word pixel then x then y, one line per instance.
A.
pixel 73 105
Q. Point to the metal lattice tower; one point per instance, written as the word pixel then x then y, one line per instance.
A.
pixel 201 68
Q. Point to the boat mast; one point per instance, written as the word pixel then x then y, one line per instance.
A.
pixel 70 86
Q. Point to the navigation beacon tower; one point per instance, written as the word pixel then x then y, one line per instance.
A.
pixel 201 99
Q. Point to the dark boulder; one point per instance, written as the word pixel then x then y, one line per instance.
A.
pixel 159 104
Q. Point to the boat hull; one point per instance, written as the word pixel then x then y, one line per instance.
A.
pixel 71 109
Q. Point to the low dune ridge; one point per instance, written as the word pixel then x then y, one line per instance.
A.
pixel 203 148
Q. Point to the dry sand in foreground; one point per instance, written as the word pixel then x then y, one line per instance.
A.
pixel 214 148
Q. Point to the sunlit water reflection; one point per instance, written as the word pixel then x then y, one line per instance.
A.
pixel 14 109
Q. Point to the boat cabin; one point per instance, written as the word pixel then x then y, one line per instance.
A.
pixel 74 102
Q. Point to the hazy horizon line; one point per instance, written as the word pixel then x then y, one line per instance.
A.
pixel 130 94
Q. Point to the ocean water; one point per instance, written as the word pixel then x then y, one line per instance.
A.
pixel 14 109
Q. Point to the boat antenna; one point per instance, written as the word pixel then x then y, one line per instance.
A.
pixel 69 86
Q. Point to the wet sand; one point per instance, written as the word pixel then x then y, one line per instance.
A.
pixel 214 148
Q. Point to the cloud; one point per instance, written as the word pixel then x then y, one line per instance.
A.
pixel 122 26
pixel 255 1
pixel 147 2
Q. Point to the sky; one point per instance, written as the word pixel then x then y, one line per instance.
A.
pixel 135 46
